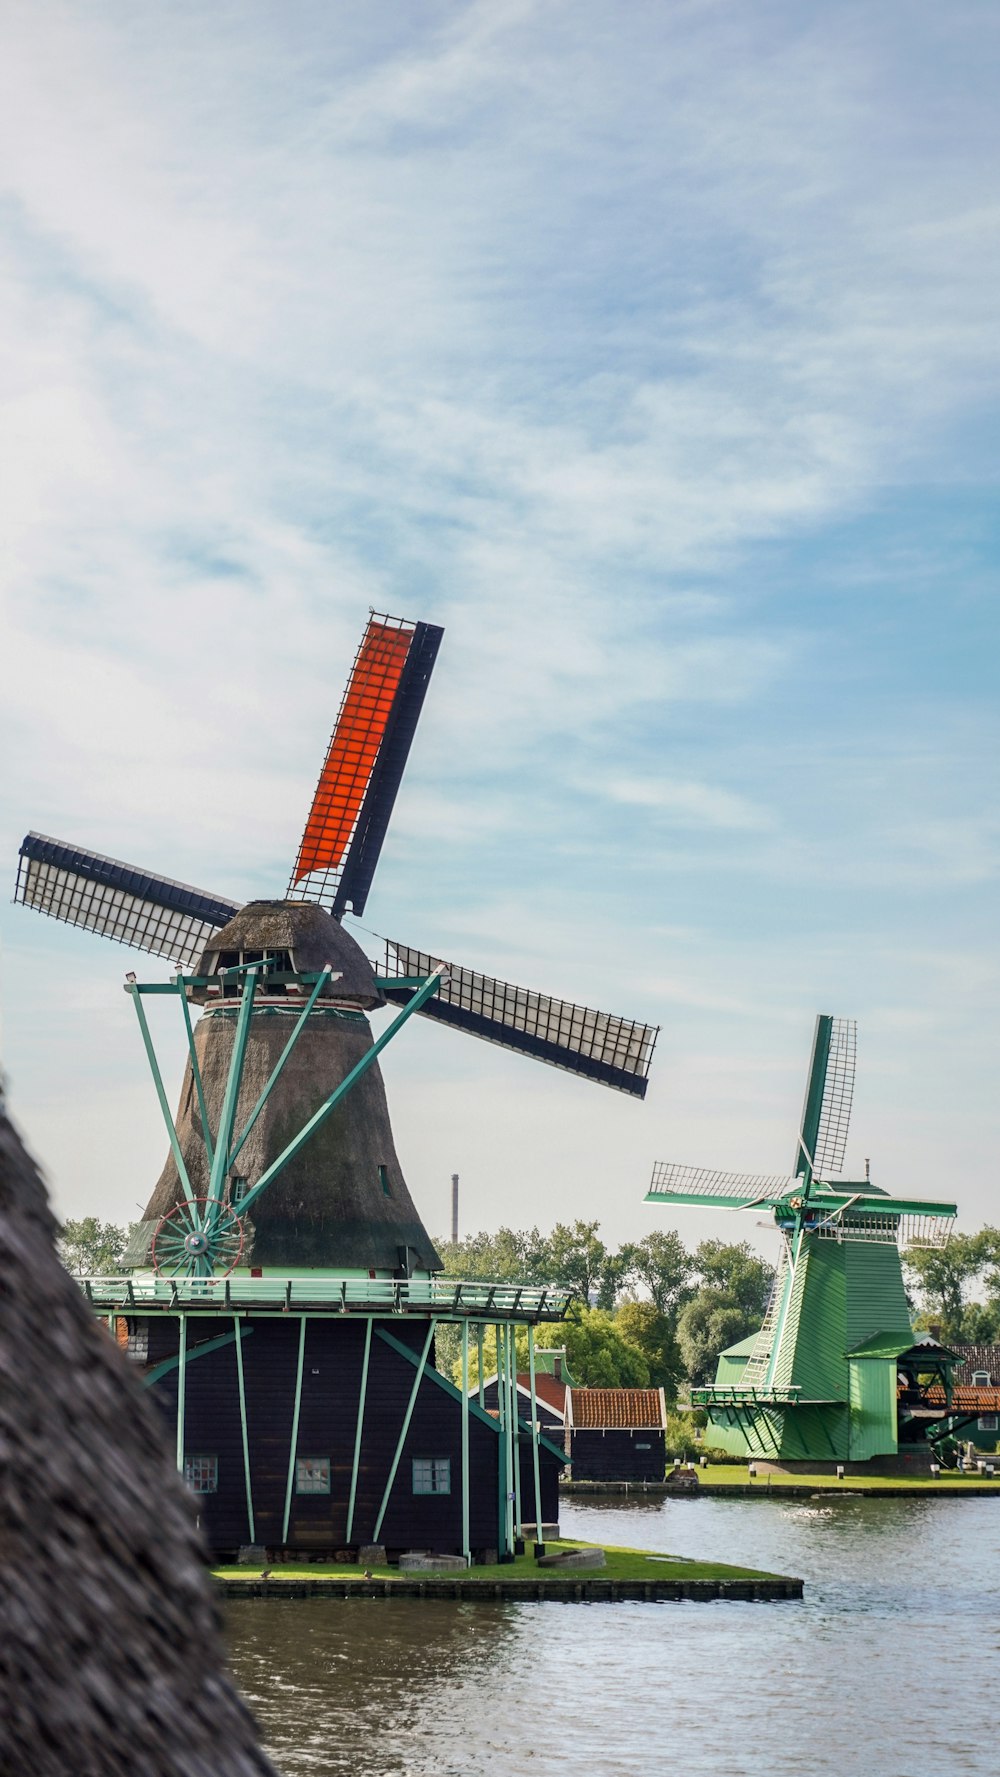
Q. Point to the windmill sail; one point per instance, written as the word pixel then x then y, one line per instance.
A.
pixel 129 906
pixel 614 1051
pixel 826 1113
pixel 364 763
pixel 698 1184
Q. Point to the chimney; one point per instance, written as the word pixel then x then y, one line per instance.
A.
pixel 454 1209
pixel 557 1366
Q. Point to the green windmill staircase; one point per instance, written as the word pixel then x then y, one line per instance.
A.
pixel 835 1373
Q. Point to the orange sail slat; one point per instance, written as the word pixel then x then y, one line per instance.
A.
pixel 354 748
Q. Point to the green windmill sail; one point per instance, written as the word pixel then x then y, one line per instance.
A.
pixel 835 1373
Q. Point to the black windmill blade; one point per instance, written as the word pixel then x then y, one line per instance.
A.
pixel 343 838
pixel 340 848
pixel 130 906
pixel 599 1046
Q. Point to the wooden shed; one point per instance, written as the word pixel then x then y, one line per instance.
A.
pixel 616 1434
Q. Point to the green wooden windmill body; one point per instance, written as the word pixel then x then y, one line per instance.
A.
pixel 834 1373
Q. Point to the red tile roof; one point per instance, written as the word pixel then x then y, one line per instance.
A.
pixel 967 1398
pixel 616 1409
pixel 548 1389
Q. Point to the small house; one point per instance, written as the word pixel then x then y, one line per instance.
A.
pixel 978 1368
pixel 616 1434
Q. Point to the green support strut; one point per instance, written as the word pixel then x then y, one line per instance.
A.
pixel 181 1382
pixel 401 1440
pixel 362 1393
pixel 293 1441
pixel 534 1434
pixel 154 1068
pixel 466 1551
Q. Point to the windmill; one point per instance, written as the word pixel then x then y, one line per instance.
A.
pixel 834 1373
pixel 273 971
pixel 282 1206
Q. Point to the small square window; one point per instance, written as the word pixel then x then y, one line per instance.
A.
pixel 432 1474
pixel 312 1474
pixel 202 1473
pixel 987 1422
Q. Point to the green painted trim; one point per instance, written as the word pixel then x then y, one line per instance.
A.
pixel 419 999
pixel 198 1084
pixel 175 1147
pixel 436 1377
pixel 401 1440
pixel 362 1397
pixel 297 1030
pixel 160 1370
pixel 534 1433
pixel 181 1388
pixel 480 1371
pixel 293 1441
pixel 805 1151
pixel 515 1429
pixel 238 1331
pixel 227 1116
pixel 466 1550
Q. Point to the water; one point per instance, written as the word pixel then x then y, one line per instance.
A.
pixel 887 1668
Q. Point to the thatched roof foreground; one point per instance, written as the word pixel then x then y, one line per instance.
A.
pixel 110 1653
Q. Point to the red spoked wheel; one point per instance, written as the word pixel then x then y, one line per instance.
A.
pixel 199 1239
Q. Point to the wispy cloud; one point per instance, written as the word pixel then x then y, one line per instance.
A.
pixel 629 351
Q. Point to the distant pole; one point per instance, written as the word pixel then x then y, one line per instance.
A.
pixel 454 1209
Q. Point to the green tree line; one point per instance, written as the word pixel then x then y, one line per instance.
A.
pixel 650 1313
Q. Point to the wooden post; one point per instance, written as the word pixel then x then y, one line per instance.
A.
pixel 466 1551
pixel 237 1328
pixel 293 1441
pixel 534 1435
pixel 181 1381
pixel 362 1394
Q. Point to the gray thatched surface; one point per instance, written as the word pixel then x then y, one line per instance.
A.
pixel 313 936
pixel 329 1206
pixel 110 1655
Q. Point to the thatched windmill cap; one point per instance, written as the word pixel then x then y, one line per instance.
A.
pixel 313 939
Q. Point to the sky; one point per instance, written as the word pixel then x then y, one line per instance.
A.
pixel 652 351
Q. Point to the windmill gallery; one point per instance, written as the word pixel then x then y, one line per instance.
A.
pixel 281 1293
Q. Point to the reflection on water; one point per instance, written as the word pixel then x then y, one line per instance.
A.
pixel 887 1668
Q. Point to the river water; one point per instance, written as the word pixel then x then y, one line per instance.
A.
pixel 887 1668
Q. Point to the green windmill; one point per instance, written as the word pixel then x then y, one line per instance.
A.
pixel 835 1373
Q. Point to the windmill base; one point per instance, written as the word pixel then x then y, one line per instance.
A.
pixel 915 1461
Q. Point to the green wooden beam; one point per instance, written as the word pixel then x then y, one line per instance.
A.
pixel 278 1068
pixel 466 1551
pixel 154 1068
pixel 534 1434
pixel 239 1330
pixel 401 1440
pixel 170 1363
pixel 293 1441
pixel 430 987
pixel 181 1388
pixel 362 1394
pixel 198 1083
pixel 227 1116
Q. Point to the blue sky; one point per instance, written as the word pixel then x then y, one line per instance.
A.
pixel 652 351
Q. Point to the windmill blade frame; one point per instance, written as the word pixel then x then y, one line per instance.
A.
pixel 134 907
pixel 349 816
pixel 826 1108
pixel 673 1182
pixel 600 1046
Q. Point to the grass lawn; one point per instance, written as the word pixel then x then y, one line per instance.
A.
pixel 621 1564
pixel 735 1475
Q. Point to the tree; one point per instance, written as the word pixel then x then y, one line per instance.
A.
pixel 577 1256
pixel 662 1264
pixel 944 1276
pixel 738 1272
pixel 597 1355
pixel 707 1324
pixel 89 1247
pixel 508 1255
pixel 652 1333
